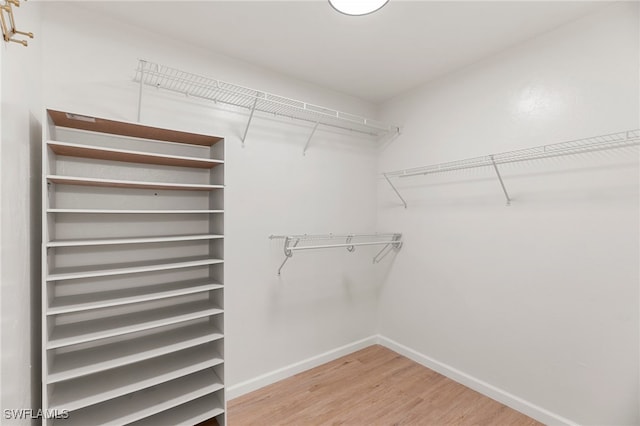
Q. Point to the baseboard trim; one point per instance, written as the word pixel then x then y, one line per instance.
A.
pixel 297 367
pixel 506 398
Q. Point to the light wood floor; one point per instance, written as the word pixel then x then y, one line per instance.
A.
pixel 374 386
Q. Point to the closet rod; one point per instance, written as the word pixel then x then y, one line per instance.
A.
pixel 329 236
pixel 372 243
pixel 579 146
pixel 292 243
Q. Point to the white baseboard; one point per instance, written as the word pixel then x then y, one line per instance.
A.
pixel 297 367
pixel 480 386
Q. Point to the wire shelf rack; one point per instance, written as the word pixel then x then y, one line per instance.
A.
pixel 197 86
pixel 349 241
pixel 578 146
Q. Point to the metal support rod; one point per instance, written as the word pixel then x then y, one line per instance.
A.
pixel 368 243
pixel 28 34
pixel 395 190
pixel 22 42
pixel 331 236
pixel 506 194
pixel 253 109
pixel 377 258
pixel 142 64
pixel 304 151
pixel 287 252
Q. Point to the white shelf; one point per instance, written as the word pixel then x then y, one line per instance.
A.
pixel 82 362
pixel 610 141
pixel 104 299
pixel 188 414
pixel 138 240
pixel 111 211
pixel 101 328
pixel 123 155
pixel 82 392
pixel 116 183
pixel 123 269
pixel 193 85
pixel 148 402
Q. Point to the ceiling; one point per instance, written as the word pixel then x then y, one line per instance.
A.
pixel 373 57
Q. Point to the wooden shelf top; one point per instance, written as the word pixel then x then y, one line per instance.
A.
pixel 102 125
pixel 111 154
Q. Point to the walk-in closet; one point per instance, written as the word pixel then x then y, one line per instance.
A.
pixel 320 212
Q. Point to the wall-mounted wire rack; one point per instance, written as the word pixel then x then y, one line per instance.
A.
pixel 349 241
pixel 197 86
pixel 578 146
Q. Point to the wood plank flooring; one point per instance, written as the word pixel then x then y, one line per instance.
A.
pixel 374 386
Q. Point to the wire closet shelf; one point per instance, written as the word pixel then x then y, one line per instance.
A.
pixel 197 86
pixel 579 146
pixel 349 241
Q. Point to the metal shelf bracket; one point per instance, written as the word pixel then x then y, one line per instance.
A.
pixel 288 254
pixel 395 190
pixel 246 129
pixel 504 189
pixel 304 151
pixel 397 244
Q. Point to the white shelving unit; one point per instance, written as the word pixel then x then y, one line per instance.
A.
pixel 197 86
pixel 133 273
pixel 610 141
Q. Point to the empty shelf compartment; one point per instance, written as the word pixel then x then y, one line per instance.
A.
pixel 150 401
pixel 88 390
pixel 76 363
pixel 188 414
pixel 103 299
pixel 119 324
pixel 121 269
pixel 112 154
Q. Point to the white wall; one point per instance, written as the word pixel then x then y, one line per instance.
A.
pixel 539 299
pixel 323 300
pixel 20 205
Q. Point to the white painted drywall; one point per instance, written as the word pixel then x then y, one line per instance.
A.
pixel 539 299
pixel 323 300
pixel 20 229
